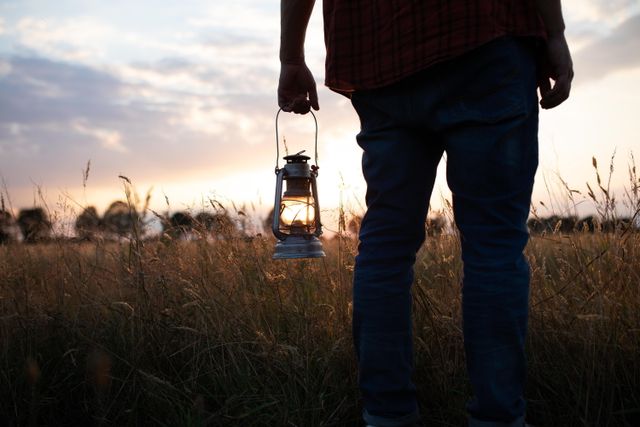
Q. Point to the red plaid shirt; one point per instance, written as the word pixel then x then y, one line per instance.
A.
pixel 373 43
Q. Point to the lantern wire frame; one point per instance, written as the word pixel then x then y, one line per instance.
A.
pixel 315 120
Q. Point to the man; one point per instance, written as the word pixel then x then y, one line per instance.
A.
pixel 428 77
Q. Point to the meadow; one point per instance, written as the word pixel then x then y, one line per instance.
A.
pixel 195 333
pixel 213 332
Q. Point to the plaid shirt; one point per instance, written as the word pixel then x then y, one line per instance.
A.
pixel 373 43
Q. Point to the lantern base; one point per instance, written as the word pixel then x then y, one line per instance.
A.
pixel 294 247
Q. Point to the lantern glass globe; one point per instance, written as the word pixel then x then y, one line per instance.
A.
pixel 297 211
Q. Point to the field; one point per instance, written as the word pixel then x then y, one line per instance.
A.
pixel 216 333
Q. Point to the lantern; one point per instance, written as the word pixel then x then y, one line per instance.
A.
pixel 296 213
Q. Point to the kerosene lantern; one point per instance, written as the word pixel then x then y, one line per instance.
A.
pixel 296 213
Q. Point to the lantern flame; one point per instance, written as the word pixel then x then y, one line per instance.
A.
pixel 297 211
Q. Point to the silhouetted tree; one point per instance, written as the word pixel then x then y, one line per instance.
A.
pixel 588 224
pixel 205 222
pixel 571 224
pixel 180 225
pixel 34 225
pixel 88 224
pixel 618 225
pixel 215 224
pixel 539 226
pixel 120 219
pixel 9 231
pixel 627 223
pixel 553 224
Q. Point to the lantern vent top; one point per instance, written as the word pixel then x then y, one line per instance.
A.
pixel 297 158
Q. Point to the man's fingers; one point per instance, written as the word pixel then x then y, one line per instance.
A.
pixel 296 105
pixel 545 86
pixel 290 104
pixel 558 94
pixel 284 103
pixel 301 109
pixel 300 106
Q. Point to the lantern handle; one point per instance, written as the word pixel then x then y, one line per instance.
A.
pixel 314 167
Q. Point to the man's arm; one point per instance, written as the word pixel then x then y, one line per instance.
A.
pixel 557 64
pixel 297 87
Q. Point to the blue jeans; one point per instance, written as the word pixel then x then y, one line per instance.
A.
pixel 481 109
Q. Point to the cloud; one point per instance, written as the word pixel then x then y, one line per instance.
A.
pixel 589 20
pixel 90 41
pixel 605 13
pixel 54 116
pixel 611 53
pixel 37 90
pixel 214 59
pixel 260 16
pixel 5 68
pixel 78 39
pixel 109 139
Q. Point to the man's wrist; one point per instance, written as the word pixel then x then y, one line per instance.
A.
pixel 291 52
pixel 292 60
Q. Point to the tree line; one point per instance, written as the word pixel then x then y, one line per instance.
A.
pixel 120 220
pixel 572 224
pixel 438 224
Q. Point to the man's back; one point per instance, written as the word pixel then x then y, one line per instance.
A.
pixel 372 44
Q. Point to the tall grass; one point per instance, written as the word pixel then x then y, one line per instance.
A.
pixel 225 336
pixel 175 333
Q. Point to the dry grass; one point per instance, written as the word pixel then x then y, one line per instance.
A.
pixel 197 333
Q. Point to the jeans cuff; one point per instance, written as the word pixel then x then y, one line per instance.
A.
pixel 377 421
pixel 518 422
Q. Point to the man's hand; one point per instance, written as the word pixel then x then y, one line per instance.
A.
pixel 297 89
pixel 557 65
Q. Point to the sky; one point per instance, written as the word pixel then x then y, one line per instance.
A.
pixel 180 97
